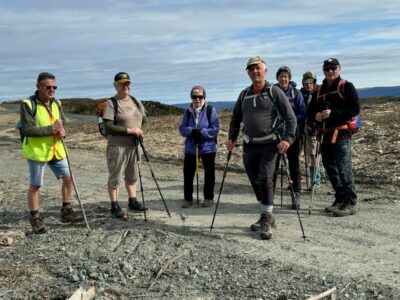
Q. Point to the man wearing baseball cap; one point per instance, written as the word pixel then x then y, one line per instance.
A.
pixel 259 107
pixel 329 112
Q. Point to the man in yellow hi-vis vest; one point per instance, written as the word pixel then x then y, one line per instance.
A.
pixel 42 126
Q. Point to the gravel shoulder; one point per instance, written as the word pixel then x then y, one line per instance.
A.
pixel 179 258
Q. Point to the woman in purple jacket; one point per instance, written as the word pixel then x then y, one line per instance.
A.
pixel 200 127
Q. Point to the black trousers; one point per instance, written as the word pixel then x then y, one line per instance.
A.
pixel 259 162
pixel 189 171
pixel 293 156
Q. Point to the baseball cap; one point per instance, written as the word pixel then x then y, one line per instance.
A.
pixel 331 61
pixel 309 77
pixel 254 61
pixel 122 77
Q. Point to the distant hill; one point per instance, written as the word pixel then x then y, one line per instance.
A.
pixel 387 91
pixel 363 94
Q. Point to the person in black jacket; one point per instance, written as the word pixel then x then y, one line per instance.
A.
pixel 330 111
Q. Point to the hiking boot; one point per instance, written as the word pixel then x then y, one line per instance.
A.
pixel 257 225
pixel 335 206
pixel 136 206
pixel 37 225
pixel 296 201
pixel 117 213
pixel 266 226
pixel 207 203
pixel 69 216
pixel 187 204
pixel 346 209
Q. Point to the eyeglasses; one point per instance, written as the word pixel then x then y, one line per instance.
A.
pixel 330 68
pixel 200 97
pixel 49 87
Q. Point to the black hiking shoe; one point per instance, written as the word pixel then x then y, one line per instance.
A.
pixel 136 206
pixel 117 212
pixel 266 226
pixel 346 209
pixel 69 216
pixel 257 225
pixel 334 207
pixel 296 201
pixel 37 225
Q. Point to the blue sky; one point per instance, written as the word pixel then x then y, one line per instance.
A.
pixel 169 46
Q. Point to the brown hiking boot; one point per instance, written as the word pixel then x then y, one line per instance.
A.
pixel 266 226
pixel 207 203
pixel 187 204
pixel 37 225
pixel 257 225
pixel 335 206
pixel 347 209
pixel 69 216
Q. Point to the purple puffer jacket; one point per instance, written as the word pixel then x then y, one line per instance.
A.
pixel 209 132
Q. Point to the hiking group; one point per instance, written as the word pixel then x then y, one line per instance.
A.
pixel 276 121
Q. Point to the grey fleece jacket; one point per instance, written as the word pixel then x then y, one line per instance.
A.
pixel 258 114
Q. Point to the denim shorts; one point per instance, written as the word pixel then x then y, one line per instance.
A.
pixel 37 169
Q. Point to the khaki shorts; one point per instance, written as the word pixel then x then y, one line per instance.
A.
pixel 311 145
pixel 122 164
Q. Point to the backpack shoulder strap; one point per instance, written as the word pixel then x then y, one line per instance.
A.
pixel 33 105
pixel 115 104
pixel 341 88
pixel 209 111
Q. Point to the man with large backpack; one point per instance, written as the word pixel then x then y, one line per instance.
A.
pixel 330 111
pixel 269 126
pixel 296 100
pixel 42 127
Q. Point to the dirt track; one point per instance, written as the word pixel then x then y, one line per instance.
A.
pixel 359 255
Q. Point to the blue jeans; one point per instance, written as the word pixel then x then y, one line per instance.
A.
pixel 259 161
pixel 336 159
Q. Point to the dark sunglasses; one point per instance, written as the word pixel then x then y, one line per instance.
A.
pixel 330 68
pixel 200 97
pixel 49 87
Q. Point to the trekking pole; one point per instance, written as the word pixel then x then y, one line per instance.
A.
pixel 197 174
pixel 220 189
pixel 305 159
pixel 292 192
pixel 281 164
pixel 74 184
pixel 152 175
pixel 317 166
pixel 140 178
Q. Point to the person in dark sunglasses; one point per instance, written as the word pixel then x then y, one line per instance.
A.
pixel 42 122
pixel 331 108
pixel 200 127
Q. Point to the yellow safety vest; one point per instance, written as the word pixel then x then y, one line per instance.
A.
pixel 43 148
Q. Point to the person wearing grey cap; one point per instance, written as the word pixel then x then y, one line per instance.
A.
pixel 262 108
pixel 124 116
pixel 296 100
pixel 330 111
pixel 310 136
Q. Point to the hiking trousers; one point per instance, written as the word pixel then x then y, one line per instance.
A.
pixel 189 171
pixel 336 159
pixel 259 161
